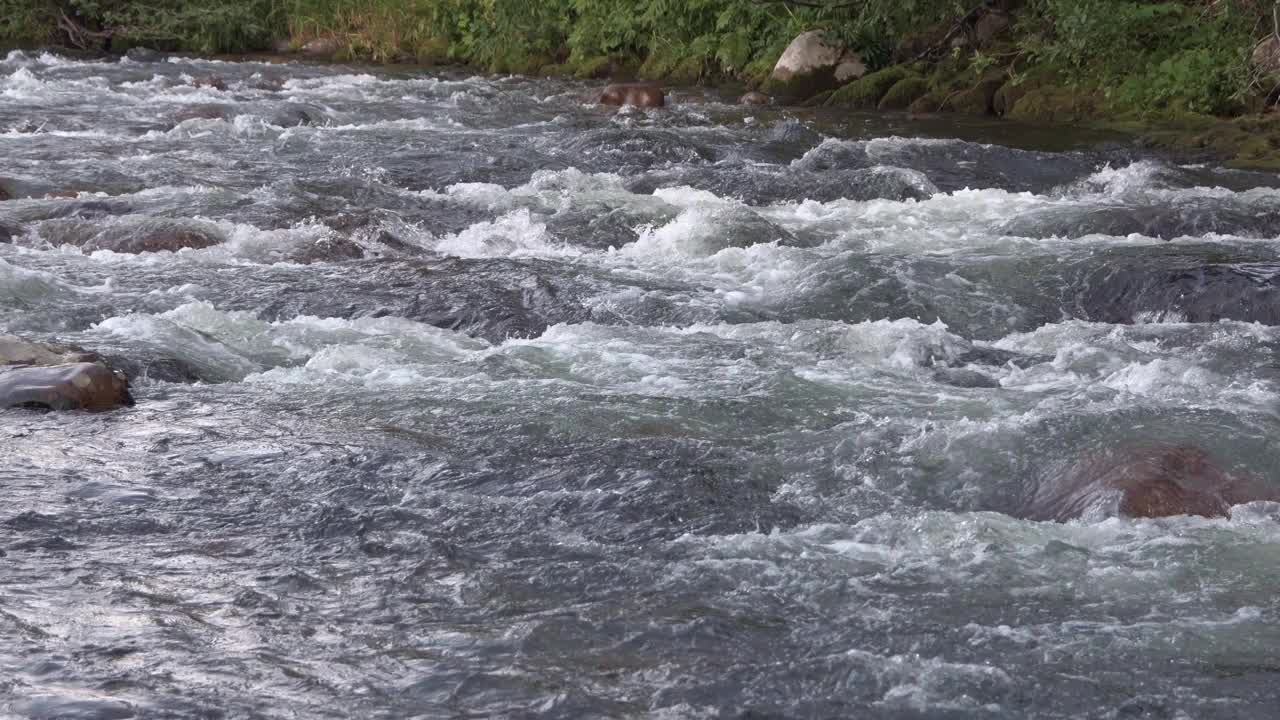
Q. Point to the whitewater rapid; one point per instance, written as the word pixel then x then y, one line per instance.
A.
pixel 483 401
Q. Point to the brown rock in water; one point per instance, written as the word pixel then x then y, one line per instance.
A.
pixel 205 111
pixel 209 81
pixel 16 351
pixel 161 238
pixel 57 377
pixel 1145 482
pixel 754 98
pixel 638 94
pixel 76 386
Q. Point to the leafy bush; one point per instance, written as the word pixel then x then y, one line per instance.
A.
pixel 1135 56
pixel 1149 57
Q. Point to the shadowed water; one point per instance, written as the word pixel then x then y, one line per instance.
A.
pixel 476 400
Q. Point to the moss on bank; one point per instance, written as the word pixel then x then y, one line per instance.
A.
pixel 867 92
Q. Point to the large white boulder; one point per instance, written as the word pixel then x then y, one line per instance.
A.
pixel 812 64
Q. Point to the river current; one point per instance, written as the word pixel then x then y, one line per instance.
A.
pixel 488 402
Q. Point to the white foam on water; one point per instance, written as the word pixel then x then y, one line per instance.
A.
pixel 20 284
pixel 555 191
pixel 242 346
pixel 515 234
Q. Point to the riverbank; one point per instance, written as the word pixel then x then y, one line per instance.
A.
pixel 1189 76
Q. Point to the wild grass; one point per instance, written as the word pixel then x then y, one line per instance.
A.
pixel 1149 55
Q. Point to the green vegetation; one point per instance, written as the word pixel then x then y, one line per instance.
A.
pixel 206 27
pixel 1172 62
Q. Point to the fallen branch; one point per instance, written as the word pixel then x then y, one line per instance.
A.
pixel 965 20
pixel 77 34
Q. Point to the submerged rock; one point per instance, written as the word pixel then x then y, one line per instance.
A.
pixel 329 249
pixel 1144 483
pixel 812 64
pixel 297 115
pixel 210 81
pixel 144 55
pixel 1183 289
pixel 57 377
pixel 150 237
pixel 638 94
pixel 204 111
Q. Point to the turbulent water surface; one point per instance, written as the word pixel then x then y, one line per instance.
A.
pixel 482 401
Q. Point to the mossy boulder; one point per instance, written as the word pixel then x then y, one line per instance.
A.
pixel 818 100
pixel 686 72
pixel 977 100
pixel 928 103
pixel 867 92
pixel 433 51
pixel 1015 88
pixel 1054 105
pixel 913 46
pixel 1249 141
pixel 593 68
pixel 903 93
pixel 1006 97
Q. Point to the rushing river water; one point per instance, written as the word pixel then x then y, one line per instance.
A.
pixel 487 402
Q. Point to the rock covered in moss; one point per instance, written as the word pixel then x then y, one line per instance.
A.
pixel 988 26
pixel 812 64
pixel 1050 104
pixel 977 100
pixel 903 93
pixel 594 68
pixel 869 90
pixel 929 103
